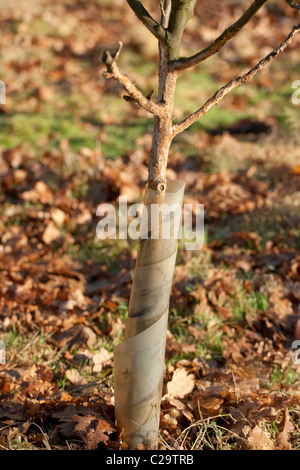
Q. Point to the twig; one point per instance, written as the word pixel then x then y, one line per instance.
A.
pixel 82 387
pixel 113 71
pixel 219 95
pixel 165 8
pixel 156 29
pixel 293 4
pixel 186 62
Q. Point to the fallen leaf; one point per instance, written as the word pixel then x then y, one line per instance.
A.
pixel 100 434
pixel 39 193
pixel 84 218
pixel 51 233
pixel 258 438
pixel 182 384
pixel 57 215
pixel 92 430
pixel 285 427
pixel 101 359
pixel 74 377
pixel 78 335
pixel 4 385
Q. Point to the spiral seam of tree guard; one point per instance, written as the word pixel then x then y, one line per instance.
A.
pixel 139 360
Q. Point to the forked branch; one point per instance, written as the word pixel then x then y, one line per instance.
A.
pixel 155 28
pixel 219 95
pixel 229 33
pixel 113 71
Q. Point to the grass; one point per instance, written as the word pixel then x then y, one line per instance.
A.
pixel 280 223
pixel 206 434
pixel 122 139
pixel 36 349
pixel 242 304
pixel 45 128
pixel 249 304
pixel 203 434
pixel 45 131
pixel 99 251
pixel 283 377
pixel 27 350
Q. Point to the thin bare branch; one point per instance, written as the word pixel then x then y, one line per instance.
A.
pixel 219 95
pixel 155 28
pixel 165 7
pixel 293 4
pixel 113 71
pixel 186 62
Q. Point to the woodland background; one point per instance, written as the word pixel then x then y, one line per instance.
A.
pixel 68 142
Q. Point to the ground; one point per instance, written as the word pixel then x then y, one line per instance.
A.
pixel 70 142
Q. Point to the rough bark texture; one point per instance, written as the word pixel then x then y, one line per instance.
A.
pixel 180 12
pixel 162 134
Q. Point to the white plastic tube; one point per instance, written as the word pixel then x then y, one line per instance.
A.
pixel 139 360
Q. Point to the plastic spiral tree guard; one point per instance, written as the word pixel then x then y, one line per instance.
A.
pixel 139 360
